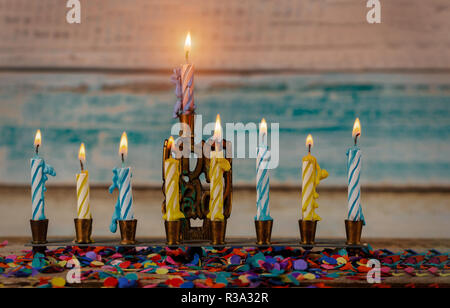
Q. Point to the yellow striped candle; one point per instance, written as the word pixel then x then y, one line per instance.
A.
pixel 83 205
pixel 311 177
pixel 171 182
pixel 217 166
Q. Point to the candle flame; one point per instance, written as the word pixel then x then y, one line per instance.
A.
pixel 218 130
pixel 170 143
pixel 263 126
pixel 356 128
pixel 82 153
pixel 187 43
pixel 123 149
pixel 309 141
pixel 37 138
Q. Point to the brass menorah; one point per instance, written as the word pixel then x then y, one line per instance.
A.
pixel 194 192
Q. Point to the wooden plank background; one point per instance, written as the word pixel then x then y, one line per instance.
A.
pixel 227 35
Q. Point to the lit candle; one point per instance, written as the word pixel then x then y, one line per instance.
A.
pixel 218 165
pixel 122 181
pixel 171 182
pixel 39 172
pixel 83 205
pixel 183 78
pixel 262 175
pixel 311 177
pixel 353 170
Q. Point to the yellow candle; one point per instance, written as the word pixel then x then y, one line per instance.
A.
pixel 311 177
pixel 83 205
pixel 171 177
pixel 218 165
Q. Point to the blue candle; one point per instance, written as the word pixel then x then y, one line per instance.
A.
pixel 39 172
pixel 122 181
pixel 354 185
pixel 262 175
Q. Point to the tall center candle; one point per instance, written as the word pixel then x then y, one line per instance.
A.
pixel 39 172
pixel 353 175
pixel 122 181
pixel 262 175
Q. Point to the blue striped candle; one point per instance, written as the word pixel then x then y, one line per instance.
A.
pixel 122 181
pixel 354 183
pixel 262 175
pixel 39 172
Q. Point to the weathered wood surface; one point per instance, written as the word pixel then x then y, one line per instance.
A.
pixel 227 35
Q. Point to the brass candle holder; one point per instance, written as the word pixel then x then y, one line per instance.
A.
pixel 83 231
pixel 39 231
pixel 173 232
pixel 353 230
pixel 128 231
pixel 307 231
pixel 263 231
pixel 194 191
pixel 218 230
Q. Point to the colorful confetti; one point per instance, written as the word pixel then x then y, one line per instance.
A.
pixel 210 268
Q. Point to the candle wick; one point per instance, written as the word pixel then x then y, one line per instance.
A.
pixel 123 159
pixel 356 138
pixel 37 149
pixel 309 148
pixel 81 165
pixel 187 56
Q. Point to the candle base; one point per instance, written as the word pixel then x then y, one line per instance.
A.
pixel 263 231
pixel 353 229
pixel 128 231
pixel 173 232
pixel 39 231
pixel 218 229
pixel 83 231
pixel 307 231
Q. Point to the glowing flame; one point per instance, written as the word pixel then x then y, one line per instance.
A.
pixel 187 43
pixel 37 138
pixel 218 130
pixel 123 149
pixel 263 127
pixel 82 153
pixel 170 143
pixel 309 141
pixel 356 128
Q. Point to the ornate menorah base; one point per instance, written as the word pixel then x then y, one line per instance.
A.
pixel 307 231
pixel 353 229
pixel 173 232
pixel 263 231
pixel 128 231
pixel 83 231
pixel 39 231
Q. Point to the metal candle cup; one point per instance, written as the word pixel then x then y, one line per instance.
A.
pixel 263 231
pixel 39 231
pixel 173 232
pixel 128 231
pixel 353 230
pixel 218 228
pixel 307 231
pixel 83 231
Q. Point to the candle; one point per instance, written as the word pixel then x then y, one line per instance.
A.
pixel 353 171
pixel 218 165
pixel 183 78
pixel 171 182
pixel 122 181
pixel 311 177
pixel 83 206
pixel 39 172
pixel 262 175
